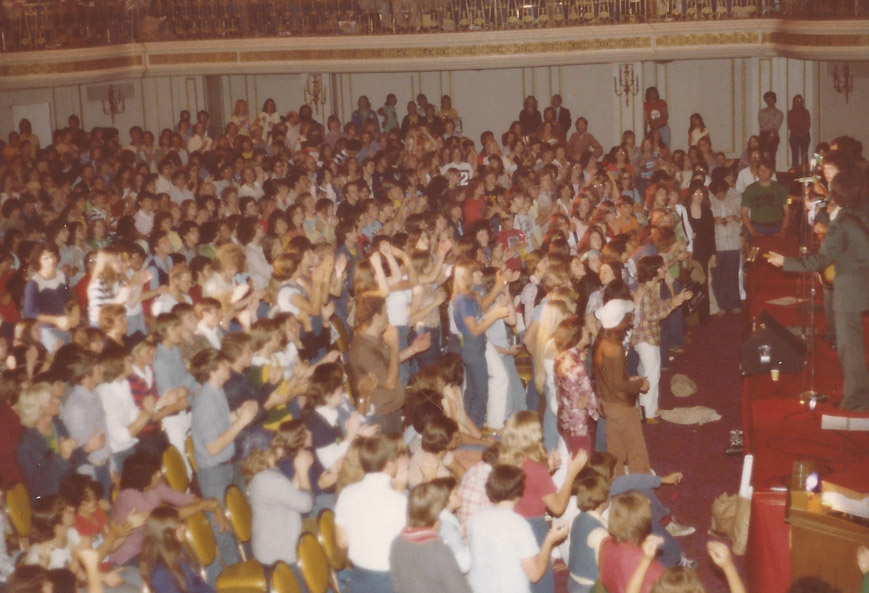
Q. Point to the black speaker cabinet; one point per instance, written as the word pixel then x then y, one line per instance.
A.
pixel 767 344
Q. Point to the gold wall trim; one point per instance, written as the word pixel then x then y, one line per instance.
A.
pixel 845 40
pixel 192 58
pixel 706 39
pixel 456 51
pixel 49 68
pixel 808 39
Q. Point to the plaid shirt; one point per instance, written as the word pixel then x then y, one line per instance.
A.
pixel 651 310
pixel 472 492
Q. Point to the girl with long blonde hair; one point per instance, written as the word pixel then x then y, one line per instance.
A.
pixel 543 353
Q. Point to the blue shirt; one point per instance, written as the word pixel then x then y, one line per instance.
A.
pixel 467 306
pixel 210 420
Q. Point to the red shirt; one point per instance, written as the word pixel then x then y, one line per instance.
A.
pixel 538 484
pixel 655 112
pixel 511 238
pixel 618 561
pixel 474 210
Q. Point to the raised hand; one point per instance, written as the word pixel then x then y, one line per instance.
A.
pixel 651 544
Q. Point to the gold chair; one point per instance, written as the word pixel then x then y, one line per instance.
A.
pixel 314 565
pixel 328 538
pixel 238 514
pixel 343 341
pixel 284 579
pixel 191 456
pixel 245 577
pixel 18 509
pixel 175 470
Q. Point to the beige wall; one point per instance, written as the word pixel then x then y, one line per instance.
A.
pixel 727 92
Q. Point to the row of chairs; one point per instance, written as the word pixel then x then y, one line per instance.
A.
pixel 319 557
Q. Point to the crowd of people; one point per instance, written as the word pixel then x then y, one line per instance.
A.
pixel 452 343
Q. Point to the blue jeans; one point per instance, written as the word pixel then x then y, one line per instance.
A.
pixel 476 383
pixel 725 280
pixel 430 356
pixel 213 482
pixel 546 584
pixel 369 581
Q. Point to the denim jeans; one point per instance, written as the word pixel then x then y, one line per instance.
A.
pixel 369 581
pixel 476 382
pixel 213 482
pixel 547 583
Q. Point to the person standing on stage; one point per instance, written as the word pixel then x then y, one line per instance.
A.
pixel 846 245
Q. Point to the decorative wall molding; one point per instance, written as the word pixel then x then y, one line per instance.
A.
pixel 832 40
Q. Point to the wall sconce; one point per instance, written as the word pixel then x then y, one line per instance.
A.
pixel 315 92
pixel 845 84
pixel 114 103
pixel 626 84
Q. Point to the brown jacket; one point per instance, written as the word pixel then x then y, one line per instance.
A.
pixel 610 376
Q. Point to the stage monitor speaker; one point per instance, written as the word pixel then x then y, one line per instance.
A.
pixel 767 345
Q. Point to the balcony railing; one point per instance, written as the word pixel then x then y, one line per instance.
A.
pixel 70 24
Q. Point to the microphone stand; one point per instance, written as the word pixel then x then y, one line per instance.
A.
pixel 811 394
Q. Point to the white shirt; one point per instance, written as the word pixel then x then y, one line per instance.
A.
pixel 121 411
pixel 746 178
pixel 259 269
pixel 500 540
pixel 212 334
pixel 144 222
pixel 398 306
pixel 372 513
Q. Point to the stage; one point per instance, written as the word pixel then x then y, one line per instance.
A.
pixel 779 429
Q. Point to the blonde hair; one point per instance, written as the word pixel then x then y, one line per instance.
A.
pixel 31 403
pixel 105 267
pixel 229 255
pixel 463 277
pixel 522 437
pixel 678 579
pixel 551 315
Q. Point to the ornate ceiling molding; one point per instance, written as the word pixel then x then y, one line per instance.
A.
pixel 839 40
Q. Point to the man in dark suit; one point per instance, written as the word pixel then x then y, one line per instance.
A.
pixel 562 114
pixel 846 245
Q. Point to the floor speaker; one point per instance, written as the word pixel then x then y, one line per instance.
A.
pixel 767 345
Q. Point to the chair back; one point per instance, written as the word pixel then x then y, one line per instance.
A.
pixel 313 564
pixel 201 539
pixel 18 509
pixel 239 515
pixel 329 540
pixel 191 457
pixel 343 341
pixel 175 470
pixel 284 579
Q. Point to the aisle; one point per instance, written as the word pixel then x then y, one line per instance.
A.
pixel 712 361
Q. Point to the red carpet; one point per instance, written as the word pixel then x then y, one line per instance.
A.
pixel 777 430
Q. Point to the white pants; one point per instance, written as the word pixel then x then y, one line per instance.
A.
pixel 499 384
pixel 650 368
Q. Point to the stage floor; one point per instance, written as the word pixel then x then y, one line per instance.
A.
pixel 779 429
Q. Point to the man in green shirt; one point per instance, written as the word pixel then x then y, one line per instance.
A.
pixel 765 203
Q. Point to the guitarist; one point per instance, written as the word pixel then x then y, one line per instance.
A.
pixel 847 246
